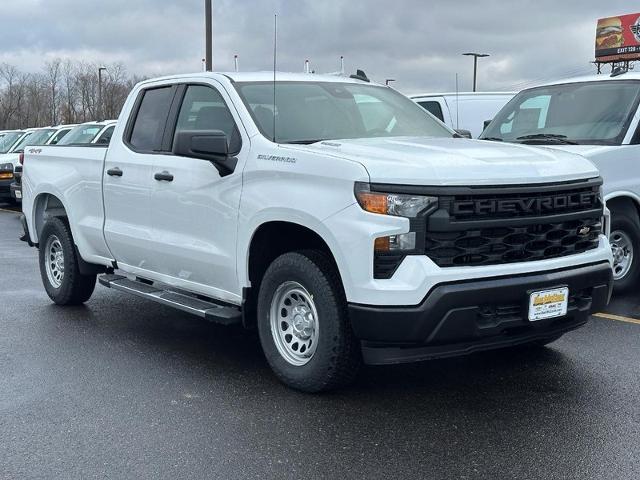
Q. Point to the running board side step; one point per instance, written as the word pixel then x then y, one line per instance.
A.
pixel 209 310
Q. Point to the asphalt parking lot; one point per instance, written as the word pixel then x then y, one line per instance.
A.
pixel 124 388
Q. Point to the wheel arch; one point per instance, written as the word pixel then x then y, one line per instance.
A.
pixel 623 200
pixel 46 205
pixel 271 239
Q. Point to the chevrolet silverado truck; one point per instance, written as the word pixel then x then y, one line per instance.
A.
pixel 597 117
pixel 334 215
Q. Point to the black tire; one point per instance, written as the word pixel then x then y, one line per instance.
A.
pixel 626 221
pixel 337 358
pixel 74 288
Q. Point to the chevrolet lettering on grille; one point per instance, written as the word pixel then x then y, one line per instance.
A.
pixel 531 205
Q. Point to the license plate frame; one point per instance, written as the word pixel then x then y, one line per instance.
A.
pixel 548 303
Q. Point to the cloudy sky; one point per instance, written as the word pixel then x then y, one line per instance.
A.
pixel 417 42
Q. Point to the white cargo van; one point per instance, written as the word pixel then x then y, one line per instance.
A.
pixel 465 111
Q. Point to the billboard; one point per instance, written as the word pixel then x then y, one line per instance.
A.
pixel 618 38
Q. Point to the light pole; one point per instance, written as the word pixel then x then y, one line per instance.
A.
pixel 475 65
pixel 208 36
pixel 99 109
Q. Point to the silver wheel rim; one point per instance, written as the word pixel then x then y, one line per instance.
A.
pixel 54 261
pixel 294 323
pixel 622 249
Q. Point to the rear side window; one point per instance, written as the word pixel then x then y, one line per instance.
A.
pixel 203 108
pixel 151 118
pixel 433 108
pixel 105 137
pixel 58 136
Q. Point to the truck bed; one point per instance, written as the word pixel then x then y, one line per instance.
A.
pixel 72 173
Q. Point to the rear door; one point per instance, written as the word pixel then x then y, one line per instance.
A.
pixel 195 209
pixel 128 179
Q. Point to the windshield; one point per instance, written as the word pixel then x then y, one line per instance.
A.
pixel 7 140
pixel 308 112
pixel 81 134
pixel 37 137
pixel 586 113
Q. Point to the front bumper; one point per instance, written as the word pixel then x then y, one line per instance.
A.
pixel 5 188
pixel 464 317
pixel 16 191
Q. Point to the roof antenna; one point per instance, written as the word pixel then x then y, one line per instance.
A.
pixel 457 110
pixel 341 64
pixel 306 66
pixel 235 61
pixel 275 49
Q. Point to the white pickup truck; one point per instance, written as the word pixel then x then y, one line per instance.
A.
pixel 597 117
pixel 346 223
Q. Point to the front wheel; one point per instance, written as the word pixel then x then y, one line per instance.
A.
pixel 625 241
pixel 59 268
pixel 303 323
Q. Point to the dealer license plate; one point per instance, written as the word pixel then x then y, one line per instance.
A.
pixel 548 303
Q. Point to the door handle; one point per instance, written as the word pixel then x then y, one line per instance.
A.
pixel 114 172
pixel 163 176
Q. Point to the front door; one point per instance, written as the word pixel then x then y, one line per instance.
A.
pixel 194 208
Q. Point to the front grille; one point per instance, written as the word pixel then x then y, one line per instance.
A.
pixel 511 244
pixel 546 222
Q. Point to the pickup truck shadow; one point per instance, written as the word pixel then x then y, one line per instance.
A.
pixel 229 351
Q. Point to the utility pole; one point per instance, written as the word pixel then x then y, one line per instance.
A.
pixel 475 64
pixel 99 109
pixel 208 36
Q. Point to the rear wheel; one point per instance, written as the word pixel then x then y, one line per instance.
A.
pixel 59 268
pixel 303 323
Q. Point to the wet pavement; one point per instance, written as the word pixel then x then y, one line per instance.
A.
pixel 125 388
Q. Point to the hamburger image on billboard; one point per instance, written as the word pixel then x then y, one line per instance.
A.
pixel 609 33
pixel 618 38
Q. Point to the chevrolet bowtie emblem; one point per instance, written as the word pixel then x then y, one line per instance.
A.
pixel 584 230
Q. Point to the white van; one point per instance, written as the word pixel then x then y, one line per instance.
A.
pixel 464 111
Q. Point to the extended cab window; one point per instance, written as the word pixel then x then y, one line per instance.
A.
pixel 203 108
pixel 148 128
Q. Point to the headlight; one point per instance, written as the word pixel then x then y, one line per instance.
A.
pixel 6 167
pixel 396 204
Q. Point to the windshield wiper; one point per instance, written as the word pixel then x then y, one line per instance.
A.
pixel 553 137
pixel 305 142
pixel 492 139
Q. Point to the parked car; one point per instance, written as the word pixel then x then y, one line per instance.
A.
pixel 90 132
pixel 597 117
pixel 464 111
pixel 342 231
pixel 50 136
pixel 9 142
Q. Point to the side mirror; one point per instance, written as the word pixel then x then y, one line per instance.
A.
pixel 461 133
pixel 486 124
pixel 211 145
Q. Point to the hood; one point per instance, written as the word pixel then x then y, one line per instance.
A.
pixel 457 161
pixel 13 158
pixel 587 151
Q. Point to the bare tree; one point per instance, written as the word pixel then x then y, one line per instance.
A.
pixel 52 74
pixel 64 92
